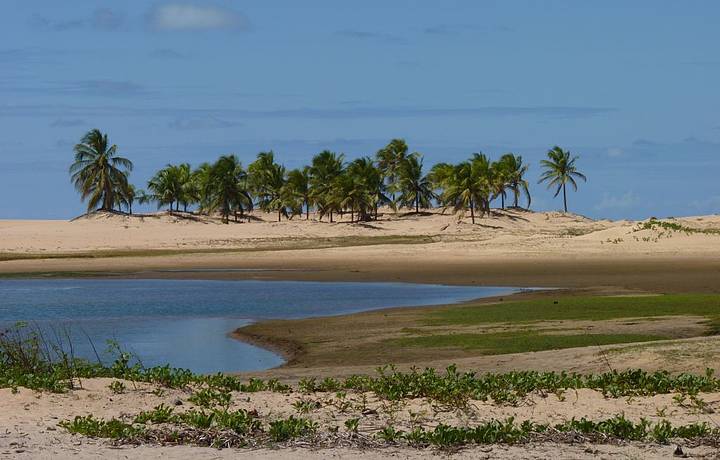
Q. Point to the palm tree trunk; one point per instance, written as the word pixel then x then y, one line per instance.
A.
pixel 502 200
pixel 472 211
pixel 417 204
pixel 352 215
pixel 331 216
pixel 564 198
pixel 279 214
pixel 307 210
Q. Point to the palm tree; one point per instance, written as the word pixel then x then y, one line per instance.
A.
pixel 127 197
pixel 389 159
pixel 187 192
pixel 167 186
pixel 370 177
pixel 326 167
pixel 298 187
pixel 98 173
pixel 559 170
pixel 226 188
pixel 515 170
pixel 416 190
pixel 143 197
pixel 268 183
pixel 468 187
pixel 439 176
pixel 200 187
pixel 363 189
pixel 499 175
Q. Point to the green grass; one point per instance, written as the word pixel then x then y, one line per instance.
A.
pixel 519 342
pixel 654 224
pixel 580 308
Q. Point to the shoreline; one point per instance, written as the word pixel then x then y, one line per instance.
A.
pixel 509 248
pixel 292 351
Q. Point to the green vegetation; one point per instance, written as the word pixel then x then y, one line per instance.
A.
pixel 291 428
pixel 519 341
pixel 586 308
pixel 534 312
pixel 213 431
pixel 673 227
pixel 456 388
pixel 329 185
pixel 27 360
pixel 509 432
pixel 90 426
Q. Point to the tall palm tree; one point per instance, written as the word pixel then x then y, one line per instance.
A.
pixel 187 192
pixel 363 189
pixel 200 187
pixel 226 188
pixel 298 187
pixel 143 197
pixel 468 187
pixel 372 181
pixel 389 159
pixel 514 171
pixel 439 176
pixel 415 189
pixel 127 197
pixel 167 186
pixel 98 173
pixel 268 183
pixel 498 181
pixel 560 169
pixel 325 168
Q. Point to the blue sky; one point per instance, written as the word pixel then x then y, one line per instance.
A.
pixel 631 87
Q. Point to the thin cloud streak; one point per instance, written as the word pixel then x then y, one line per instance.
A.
pixel 100 19
pixel 188 17
pixel 559 112
pixel 365 35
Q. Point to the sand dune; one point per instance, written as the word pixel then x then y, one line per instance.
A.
pixel 509 232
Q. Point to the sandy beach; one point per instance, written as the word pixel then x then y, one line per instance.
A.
pixel 510 248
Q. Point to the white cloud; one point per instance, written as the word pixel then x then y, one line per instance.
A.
pixel 175 16
pixel 615 152
pixel 624 201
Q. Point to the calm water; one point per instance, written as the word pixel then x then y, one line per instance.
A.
pixel 186 322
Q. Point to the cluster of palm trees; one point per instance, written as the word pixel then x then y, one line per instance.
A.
pixel 330 185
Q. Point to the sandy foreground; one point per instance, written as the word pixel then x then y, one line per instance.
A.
pixel 512 248
pixel 30 420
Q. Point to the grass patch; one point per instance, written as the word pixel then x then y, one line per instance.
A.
pixel 657 225
pixel 582 308
pixel 519 342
